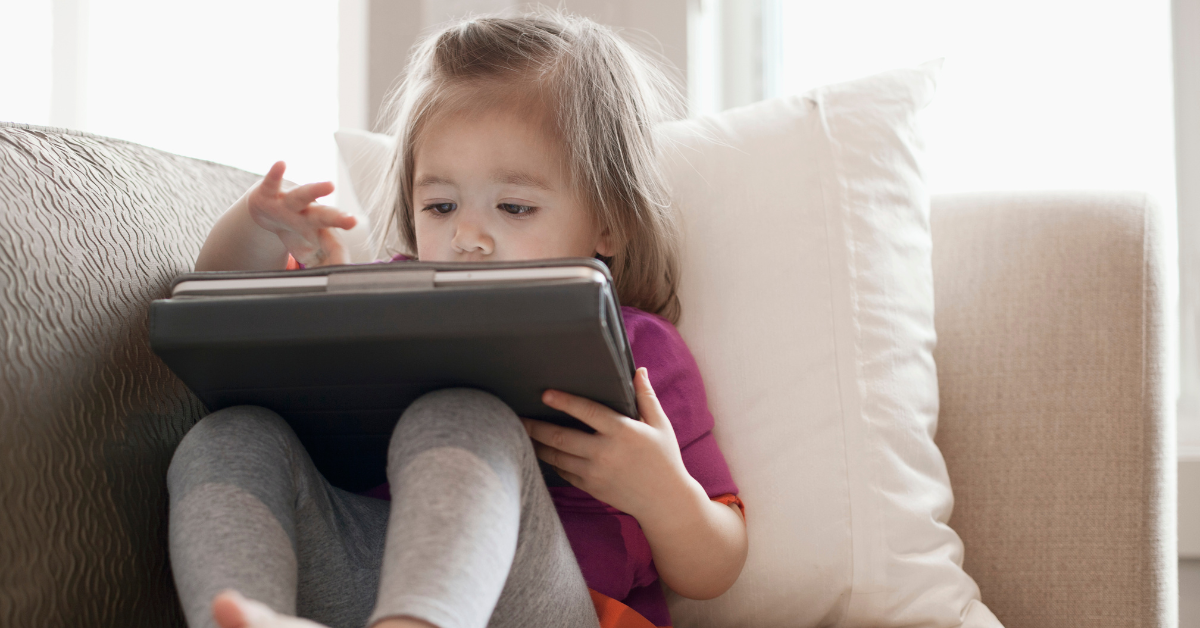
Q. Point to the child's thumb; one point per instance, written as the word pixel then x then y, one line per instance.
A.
pixel 647 401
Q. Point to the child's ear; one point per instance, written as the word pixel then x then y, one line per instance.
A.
pixel 604 246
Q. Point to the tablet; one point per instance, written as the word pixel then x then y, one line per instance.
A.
pixel 339 352
pixel 350 278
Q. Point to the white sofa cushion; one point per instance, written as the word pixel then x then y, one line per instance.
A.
pixel 808 302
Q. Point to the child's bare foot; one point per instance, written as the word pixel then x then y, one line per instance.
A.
pixel 403 622
pixel 231 610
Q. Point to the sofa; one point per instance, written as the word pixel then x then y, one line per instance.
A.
pixel 1056 421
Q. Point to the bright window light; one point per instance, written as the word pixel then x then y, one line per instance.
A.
pixel 1034 94
pixel 239 83
pixel 25 88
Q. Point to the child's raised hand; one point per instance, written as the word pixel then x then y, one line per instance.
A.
pixel 634 466
pixel 304 227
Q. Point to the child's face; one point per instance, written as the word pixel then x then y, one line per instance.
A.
pixel 491 186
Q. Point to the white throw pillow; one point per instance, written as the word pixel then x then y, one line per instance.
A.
pixel 808 302
pixel 365 156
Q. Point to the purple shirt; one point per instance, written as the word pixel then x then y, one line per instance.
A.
pixel 612 551
pixel 609 545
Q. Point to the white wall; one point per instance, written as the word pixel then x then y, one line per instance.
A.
pixel 1186 27
pixel 391 27
pixel 1186 41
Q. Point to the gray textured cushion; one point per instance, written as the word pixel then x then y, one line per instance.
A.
pixel 91 229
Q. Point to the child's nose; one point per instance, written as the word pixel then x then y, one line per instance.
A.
pixel 471 237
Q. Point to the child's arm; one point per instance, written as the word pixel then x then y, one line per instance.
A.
pixel 267 223
pixel 699 545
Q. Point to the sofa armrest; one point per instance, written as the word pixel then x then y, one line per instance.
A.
pixel 1056 422
pixel 91 230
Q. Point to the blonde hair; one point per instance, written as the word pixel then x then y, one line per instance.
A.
pixel 606 100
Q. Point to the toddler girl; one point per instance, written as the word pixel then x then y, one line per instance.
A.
pixel 521 138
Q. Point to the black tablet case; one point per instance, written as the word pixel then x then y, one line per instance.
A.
pixel 341 367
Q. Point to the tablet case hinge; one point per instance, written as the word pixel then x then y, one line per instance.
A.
pixel 386 281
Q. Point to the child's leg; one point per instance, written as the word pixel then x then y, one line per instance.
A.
pixel 250 512
pixel 473 533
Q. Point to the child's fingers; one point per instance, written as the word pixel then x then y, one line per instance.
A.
pixel 326 216
pixel 302 195
pixel 335 217
pixel 594 415
pixel 274 178
pixel 335 253
pixel 560 459
pixel 564 439
pixel 575 480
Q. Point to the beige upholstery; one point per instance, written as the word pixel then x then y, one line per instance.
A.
pixel 1054 418
pixel 1050 358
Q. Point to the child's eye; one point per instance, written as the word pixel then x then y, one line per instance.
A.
pixel 517 210
pixel 442 208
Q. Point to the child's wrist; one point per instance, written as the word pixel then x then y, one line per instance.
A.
pixel 680 506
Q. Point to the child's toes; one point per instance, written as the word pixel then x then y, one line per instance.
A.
pixel 231 610
pixel 227 612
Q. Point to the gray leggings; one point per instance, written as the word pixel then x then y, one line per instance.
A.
pixel 471 539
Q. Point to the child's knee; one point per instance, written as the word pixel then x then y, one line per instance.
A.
pixel 227 439
pixel 459 417
pixel 466 408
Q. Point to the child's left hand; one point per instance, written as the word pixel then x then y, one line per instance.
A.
pixel 634 466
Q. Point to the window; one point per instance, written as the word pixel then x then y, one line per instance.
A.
pixel 1034 95
pixel 25 90
pixel 240 83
